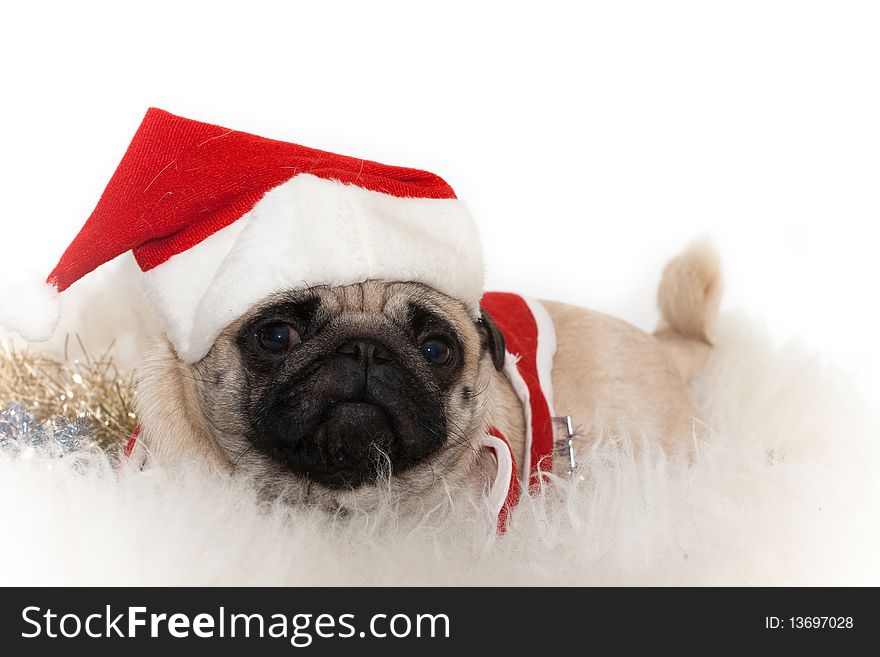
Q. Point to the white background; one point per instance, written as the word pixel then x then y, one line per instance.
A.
pixel 591 140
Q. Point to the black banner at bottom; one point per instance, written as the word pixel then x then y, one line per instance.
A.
pixel 431 621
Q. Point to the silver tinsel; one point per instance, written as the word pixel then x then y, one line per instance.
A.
pixel 23 434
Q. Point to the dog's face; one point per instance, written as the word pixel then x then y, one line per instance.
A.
pixel 336 387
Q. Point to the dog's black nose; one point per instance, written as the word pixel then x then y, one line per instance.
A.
pixel 367 351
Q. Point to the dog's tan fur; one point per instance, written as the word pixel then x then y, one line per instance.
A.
pixel 612 377
pixel 607 374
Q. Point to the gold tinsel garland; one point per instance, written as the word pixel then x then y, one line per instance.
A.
pixel 87 387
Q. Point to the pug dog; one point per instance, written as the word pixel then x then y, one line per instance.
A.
pixel 326 330
pixel 337 395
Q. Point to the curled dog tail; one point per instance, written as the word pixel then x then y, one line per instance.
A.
pixel 689 296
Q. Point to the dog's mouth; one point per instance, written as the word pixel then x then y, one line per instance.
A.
pixel 356 442
pixel 352 443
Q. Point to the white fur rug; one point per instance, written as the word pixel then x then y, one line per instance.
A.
pixel 785 493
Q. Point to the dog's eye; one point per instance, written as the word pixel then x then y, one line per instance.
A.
pixel 436 352
pixel 277 336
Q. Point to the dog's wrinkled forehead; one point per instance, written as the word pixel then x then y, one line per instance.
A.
pixel 408 305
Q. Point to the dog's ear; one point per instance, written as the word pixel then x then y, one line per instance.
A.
pixel 491 339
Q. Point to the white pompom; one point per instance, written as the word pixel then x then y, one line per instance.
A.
pixel 29 306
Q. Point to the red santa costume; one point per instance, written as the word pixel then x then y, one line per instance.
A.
pixel 531 344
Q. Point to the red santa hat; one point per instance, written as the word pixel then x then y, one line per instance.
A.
pixel 219 219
